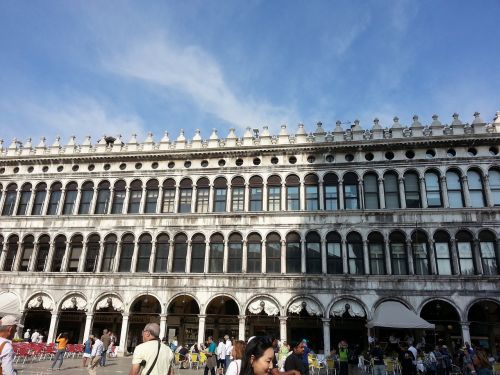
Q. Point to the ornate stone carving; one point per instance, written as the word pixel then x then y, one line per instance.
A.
pixel 40 301
pixel 74 302
pixel 110 301
pixel 264 304
pixel 311 307
pixel 351 307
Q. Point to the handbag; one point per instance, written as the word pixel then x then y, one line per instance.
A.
pixel 211 361
pixel 143 362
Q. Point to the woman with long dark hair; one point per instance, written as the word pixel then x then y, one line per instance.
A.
pixel 258 358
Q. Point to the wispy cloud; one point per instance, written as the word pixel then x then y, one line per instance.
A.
pixel 193 72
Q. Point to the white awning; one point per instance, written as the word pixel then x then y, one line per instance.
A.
pixel 396 315
pixel 9 304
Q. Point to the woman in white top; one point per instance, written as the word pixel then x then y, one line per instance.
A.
pixel 238 351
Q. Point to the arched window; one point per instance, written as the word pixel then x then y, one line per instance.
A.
pixel 128 243
pixel 442 251
pixel 454 188
pixel 75 252
pixel 134 203
pixel 40 193
pixel 151 196
pixel 399 258
pixel 292 184
pixel 202 194
pixel 220 194
pixel 103 194
pixel 119 192
pixel 433 189
pixel 274 193
pixel 293 253
pixel 144 253
pixel 331 188
pixel 93 247
pixel 376 253
pixel 273 253
pixel 27 252
pixel 355 258
pixel 186 194
pixel 43 252
pixel 476 191
pixel 412 190
pixel 216 255
pixel 108 259
pixel 334 253
pixel 254 253
pixel 487 247
pixel 70 198
pixel 466 260
pixel 168 205
pixel 420 253
pixel 238 194
pixel 55 196
pixel 162 250
pixel 12 246
pixel 370 184
pixel 86 198
pixel 256 186
pixel 494 180
pixel 198 253
pixel 313 253
pixel 391 190
pixel 351 195
pixel 311 186
pixel 59 251
pixel 235 252
pixel 10 200
pixel 180 253
pixel 24 200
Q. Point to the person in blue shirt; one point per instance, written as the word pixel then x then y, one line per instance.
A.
pixel 211 357
pixel 305 357
pixel 87 350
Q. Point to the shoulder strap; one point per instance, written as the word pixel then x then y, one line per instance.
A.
pixel 156 358
pixel 1 350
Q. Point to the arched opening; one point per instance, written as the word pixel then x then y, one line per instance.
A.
pixel 108 315
pixel 447 320
pixel 37 315
pixel 145 309
pixel 348 323
pixel 484 318
pixel 304 322
pixel 262 318
pixel 72 318
pixel 182 320
pixel 222 317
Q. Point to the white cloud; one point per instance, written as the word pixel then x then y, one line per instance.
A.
pixel 193 72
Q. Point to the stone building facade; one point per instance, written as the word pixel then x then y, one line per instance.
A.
pixel 295 235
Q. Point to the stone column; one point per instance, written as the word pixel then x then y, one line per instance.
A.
pixel 283 256
pixel 324 267
pixel 88 326
pixel 188 256
pixel 50 256
pixel 16 203
pixel 402 196
pixel 326 335
pixel 444 192
pixel 126 200
pixel 143 200
pixel 454 257
pixel 3 193
pixel 77 201
pixel 283 328
pixel 409 255
pixel 111 196
pixel 207 257
pixel 116 261
pixel 93 201
pixel 283 197
pixel 423 192
pixel 81 263
pixel 177 198
pixel 123 334
pixel 487 191
pixel 465 331
pixel 170 260
pixel 152 258
pixel 388 263
pixel 54 320
pixel 366 258
pixel 361 199
pixel 465 189
pixel 244 257
pixel 3 255
pixel 211 198
pixel 22 318
pixel 264 197
pixel 100 256
pixel 381 196
pixel 201 328
pixel 341 195
pixel 241 327
pixel 65 261
pixel 45 201
pixel 264 256
pixel 321 196
pixel 345 266
pixel 17 259
pixel 60 207
pixel 163 325
pixel 476 250
pixel 34 255
pixel 303 265
pixel 31 202
pixel 194 197
pixel 246 205
pixel 302 196
pixel 226 253
pixel 432 257
pixel 159 200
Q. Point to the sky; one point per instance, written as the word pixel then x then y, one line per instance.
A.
pixel 94 68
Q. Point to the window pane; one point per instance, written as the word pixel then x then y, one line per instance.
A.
pixel 202 200
pixel 216 257
pixel 238 199
pixel 274 198
pixel 151 200
pixel 134 201
pixel 102 201
pixel 180 254
pixel 143 256
pixel 293 202
pixel 312 198
pixel 331 198
pixel 466 261
pixel 85 201
pixel 273 253
pixel 399 259
pixel 23 202
pixel 118 200
pixel 108 259
pixel 293 257
pixel 168 201
pixel 126 257
pixel 161 261
pixel 254 257
pixel 235 251
pixel 313 257
pixel 220 199
pixel 443 258
pixel 334 258
pixel 488 258
pixel 255 199
pixel 197 257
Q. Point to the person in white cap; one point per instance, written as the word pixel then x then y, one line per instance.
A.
pixel 8 327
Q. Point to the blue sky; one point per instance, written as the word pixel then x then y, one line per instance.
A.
pixel 117 67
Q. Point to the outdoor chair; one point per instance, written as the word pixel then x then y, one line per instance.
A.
pixel 389 367
pixel 330 367
pixel 314 365
pixel 194 361
pixel 496 368
pixel 203 359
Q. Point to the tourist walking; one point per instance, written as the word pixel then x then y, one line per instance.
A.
pixel 62 342
pixel 211 363
pixel 237 352
pixel 343 358
pixel 229 351
pixel 87 350
pixel 221 356
pixel 8 327
pixel 96 355
pixel 151 357
pixel 106 341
